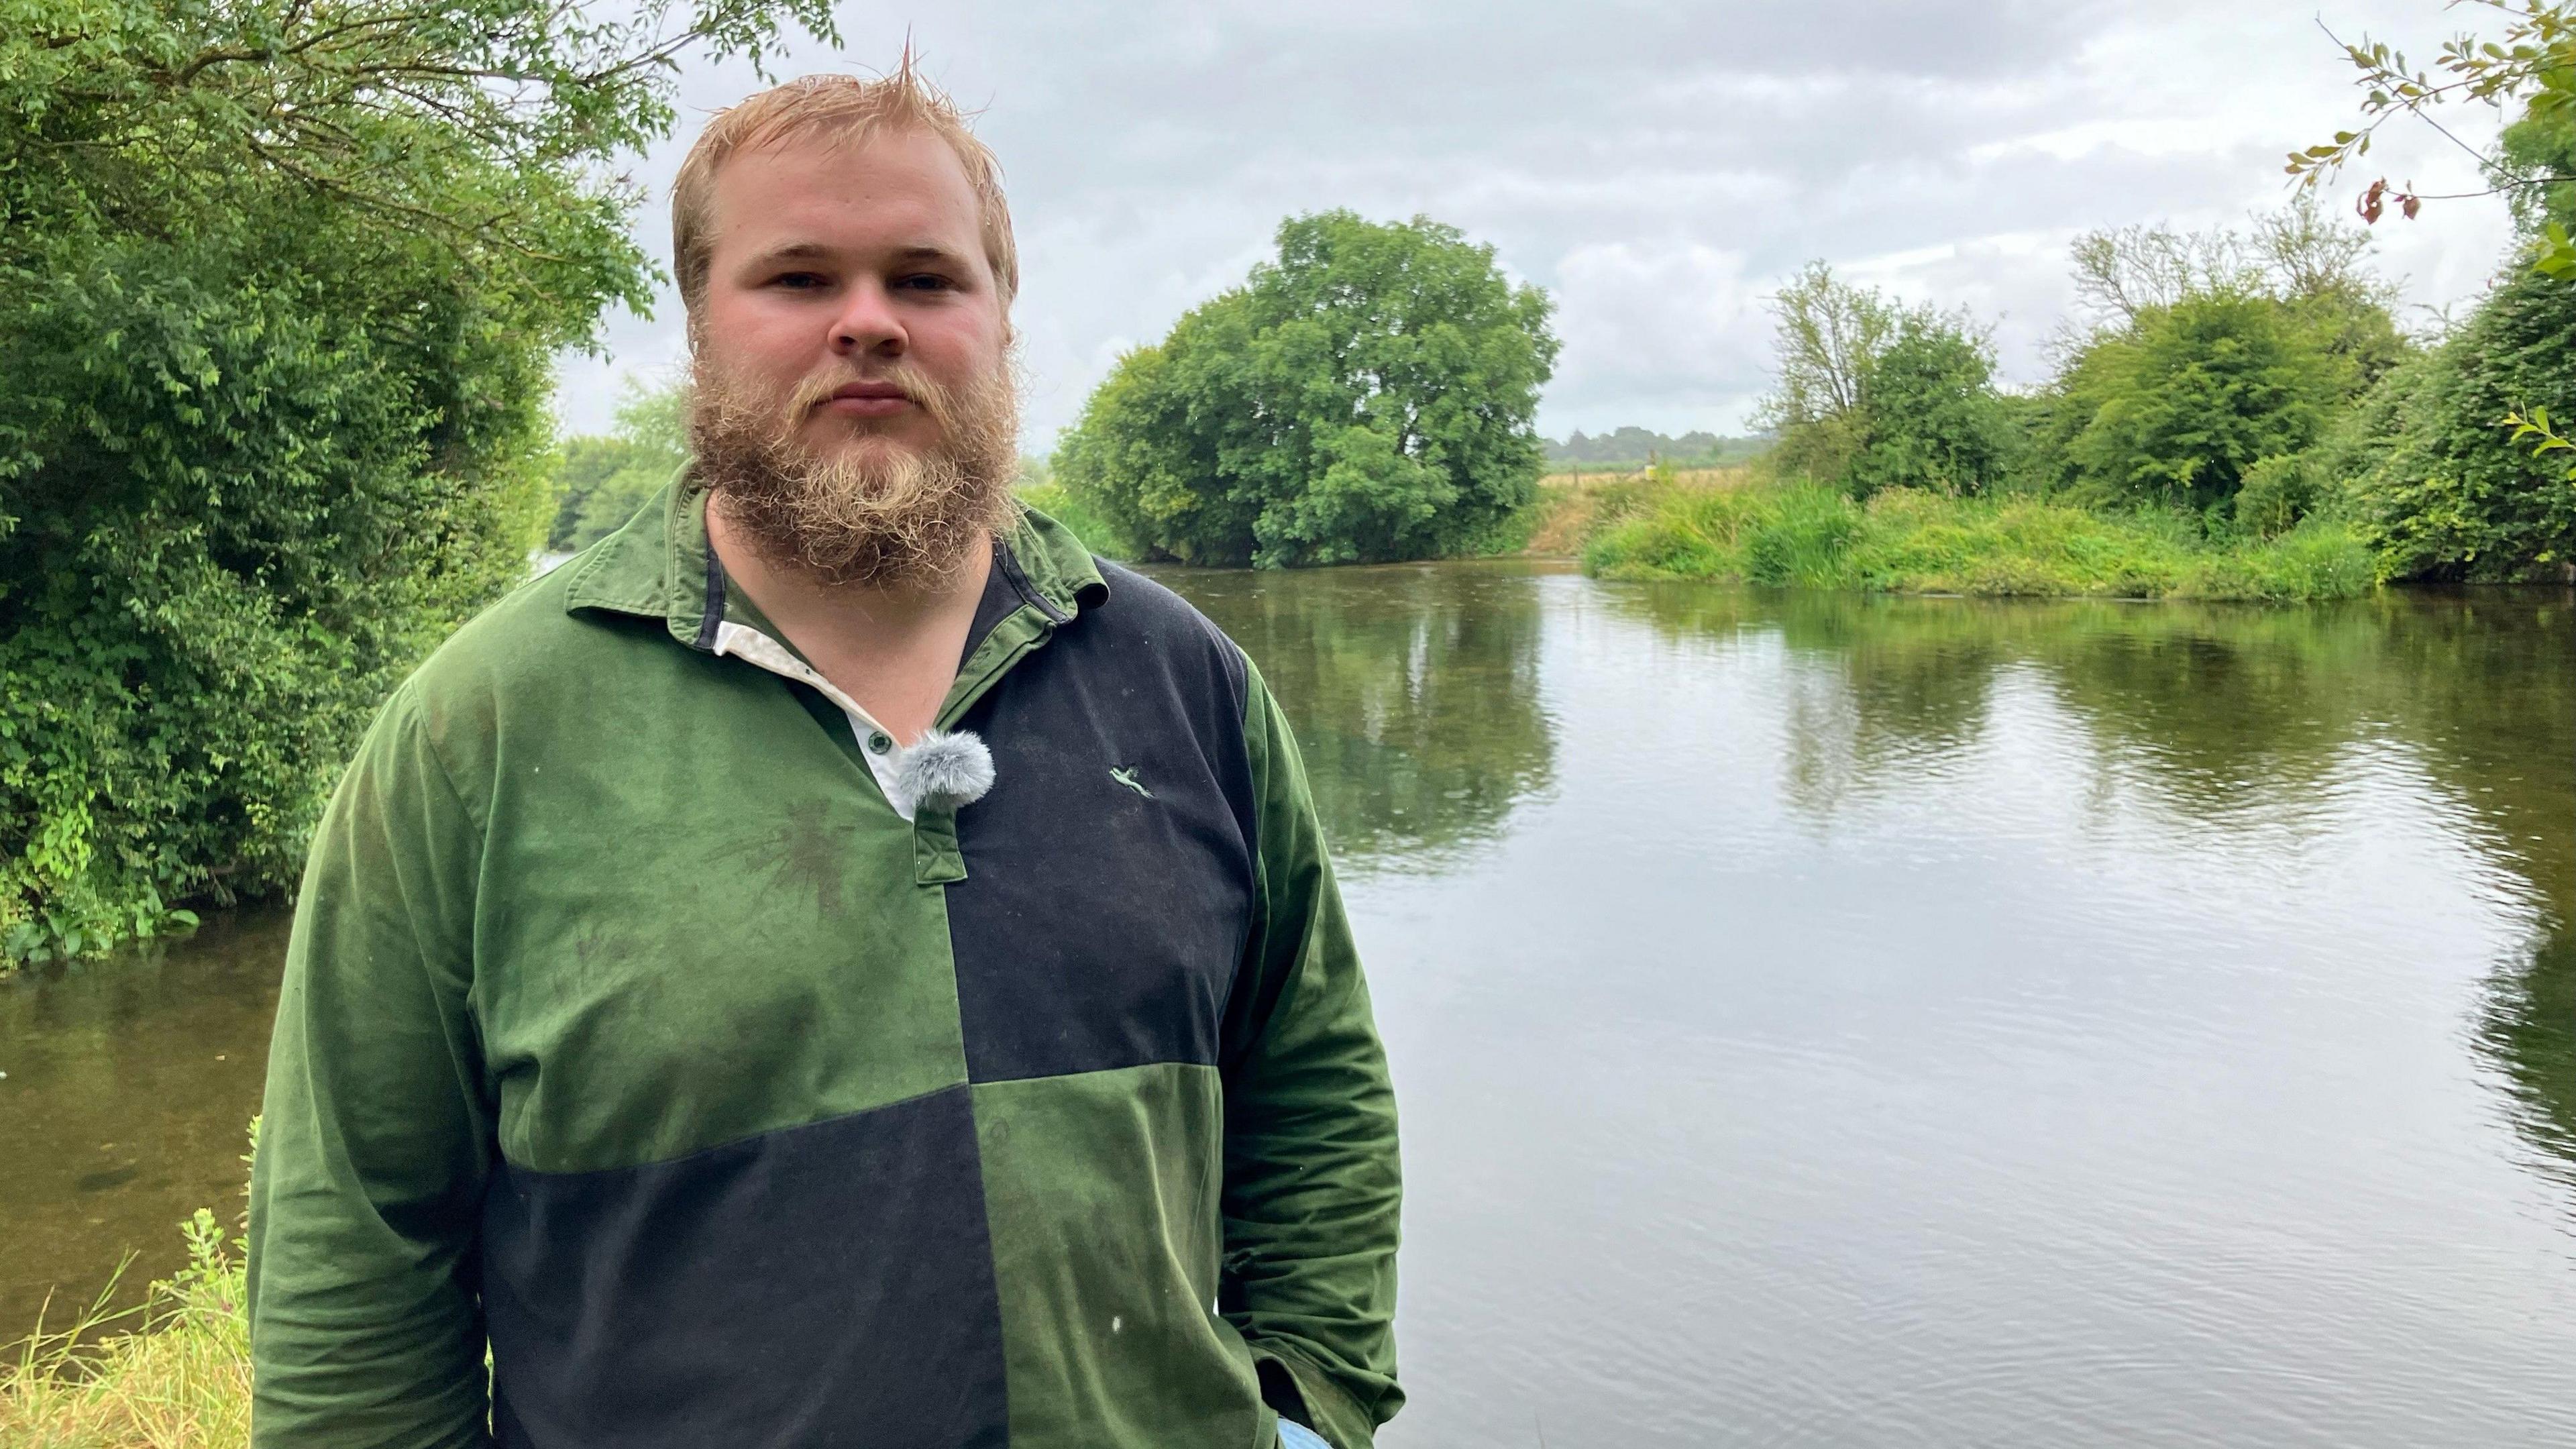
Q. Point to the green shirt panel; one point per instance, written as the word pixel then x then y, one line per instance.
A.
pixel 698 917
pixel 1123 1347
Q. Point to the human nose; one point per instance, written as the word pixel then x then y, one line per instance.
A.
pixel 867 324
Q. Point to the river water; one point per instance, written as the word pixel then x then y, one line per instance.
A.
pixel 1828 1021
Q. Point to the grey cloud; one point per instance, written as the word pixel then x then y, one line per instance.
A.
pixel 1659 168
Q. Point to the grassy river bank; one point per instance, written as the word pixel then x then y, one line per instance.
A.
pixel 1742 526
pixel 173 1374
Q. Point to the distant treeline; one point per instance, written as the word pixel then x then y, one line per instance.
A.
pixel 1637 447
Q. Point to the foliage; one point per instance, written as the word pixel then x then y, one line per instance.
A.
pixel 2535 161
pixel 1911 541
pixel 2210 351
pixel 2541 435
pixel 2179 404
pixel 2277 492
pixel 2533 62
pixel 178 1379
pixel 1057 502
pixel 600 481
pixel 1873 394
pixel 1931 417
pixel 279 291
pixel 1829 333
pixel 2297 255
pixel 1367 396
pixel 2435 483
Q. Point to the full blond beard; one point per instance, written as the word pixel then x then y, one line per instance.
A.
pixel 878 514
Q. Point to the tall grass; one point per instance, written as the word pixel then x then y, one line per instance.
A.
pixel 1572 509
pixel 1906 541
pixel 177 1376
pixel 172 1374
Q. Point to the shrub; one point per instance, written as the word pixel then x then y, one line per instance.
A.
pixel 2277 492
pixel 1874 394
pixel 280 292
pixel 1930 416
pixel 2434 484
pixel 2177 406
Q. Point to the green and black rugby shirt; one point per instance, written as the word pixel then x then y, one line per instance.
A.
pixel 630 1028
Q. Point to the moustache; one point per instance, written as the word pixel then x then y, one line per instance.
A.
pixel 917 387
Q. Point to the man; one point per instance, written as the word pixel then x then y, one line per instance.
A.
pixel 833 964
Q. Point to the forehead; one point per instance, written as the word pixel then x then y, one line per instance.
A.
pixel 899 186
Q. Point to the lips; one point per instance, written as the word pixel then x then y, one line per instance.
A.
pixel 866 400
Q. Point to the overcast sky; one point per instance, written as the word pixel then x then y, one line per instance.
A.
pixel 1658 168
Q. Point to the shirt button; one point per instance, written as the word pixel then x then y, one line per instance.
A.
pixel 880 742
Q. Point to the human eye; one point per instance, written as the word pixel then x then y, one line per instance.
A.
pixel 798 281
pixel 926 282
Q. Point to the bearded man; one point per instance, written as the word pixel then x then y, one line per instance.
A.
pixel 834 963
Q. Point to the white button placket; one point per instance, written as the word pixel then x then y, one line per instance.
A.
pixel 877 746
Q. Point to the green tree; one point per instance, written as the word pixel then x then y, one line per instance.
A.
pixel 280 287
pixel 1828 334
pixel 2316 265
pixel 1368 396
pixel 1871 394
pixel 1930 415
pixel 600 480
pixel 2179 404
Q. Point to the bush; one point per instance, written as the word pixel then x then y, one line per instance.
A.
pixel 236 525
pixel 2434 484
pixel 1930 416
pixel 2277 492
pixel 1873 394
pixel 280 292
pixel 2175 408
pixel 1368 396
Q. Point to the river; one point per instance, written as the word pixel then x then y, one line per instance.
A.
pixel 1822 1020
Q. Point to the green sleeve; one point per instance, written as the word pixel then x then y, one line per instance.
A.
pixel 376 1134
pixel 1312 1184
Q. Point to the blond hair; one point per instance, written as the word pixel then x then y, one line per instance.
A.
pixel 849 110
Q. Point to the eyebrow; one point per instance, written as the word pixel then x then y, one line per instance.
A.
pixel 811 251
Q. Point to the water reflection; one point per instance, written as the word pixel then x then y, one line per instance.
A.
pixel 2231 716
pixel 2530 1030
pixel 1414 692
pixel 1836 1021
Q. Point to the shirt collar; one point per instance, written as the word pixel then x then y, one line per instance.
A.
pixel 659 565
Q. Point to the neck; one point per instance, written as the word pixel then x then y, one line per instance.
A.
pixel 892 647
